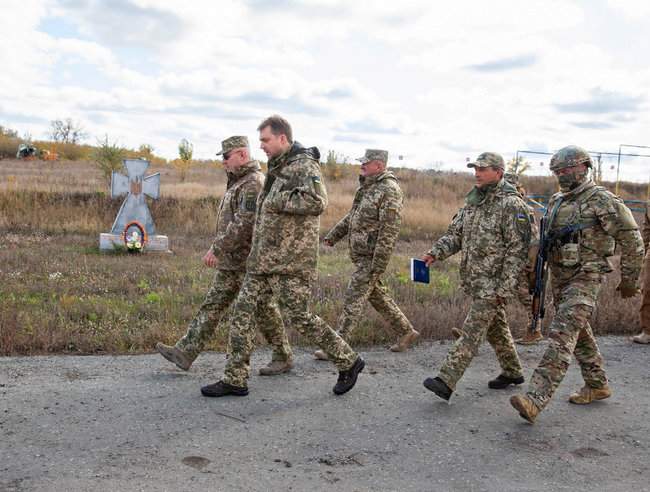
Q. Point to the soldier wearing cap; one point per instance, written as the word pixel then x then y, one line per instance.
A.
pixel 492 231
pixel 371 228
pixel 228 253
pixel 644 336
pixel 586 223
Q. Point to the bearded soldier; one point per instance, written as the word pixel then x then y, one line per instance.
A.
pixel 372 227
pixel 492 232
pixel 235 220
pixel 585 223
pixel 644 336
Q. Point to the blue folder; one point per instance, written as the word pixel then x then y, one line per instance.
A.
pixel 419 271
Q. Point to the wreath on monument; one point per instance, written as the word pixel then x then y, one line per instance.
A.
pixel 135 237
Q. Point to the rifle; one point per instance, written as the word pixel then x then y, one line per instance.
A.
pixel 546 242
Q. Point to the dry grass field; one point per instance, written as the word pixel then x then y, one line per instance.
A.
pixel 59 294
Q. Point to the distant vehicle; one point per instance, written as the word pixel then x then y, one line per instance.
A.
pixel 26 151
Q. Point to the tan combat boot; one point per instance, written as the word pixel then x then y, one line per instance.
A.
pixel 276 367
pixel 525 406
pixel 457 332
pixel 405 342
pixel 586 395
pixel 321 355
pixel 530 338
pixel 179 357
pixel 642 338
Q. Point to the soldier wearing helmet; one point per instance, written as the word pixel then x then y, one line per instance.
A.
pixel 585 223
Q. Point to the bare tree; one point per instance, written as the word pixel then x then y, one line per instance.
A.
pixel 67 131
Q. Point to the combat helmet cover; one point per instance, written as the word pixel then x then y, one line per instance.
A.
pixel 570 156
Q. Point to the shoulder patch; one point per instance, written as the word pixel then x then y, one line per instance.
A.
pixel 250 201
pixel 316 182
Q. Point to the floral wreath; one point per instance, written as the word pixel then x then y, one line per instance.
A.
pixel 134 236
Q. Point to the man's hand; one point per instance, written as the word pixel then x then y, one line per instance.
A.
pixel 627 288
pixel 428 259
pixel 210 260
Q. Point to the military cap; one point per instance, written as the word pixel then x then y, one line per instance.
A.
pixel 374 155
pixel 236 142
pixel 488 159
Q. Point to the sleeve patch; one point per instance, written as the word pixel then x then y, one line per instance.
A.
pixel 317 184
pixel 250 201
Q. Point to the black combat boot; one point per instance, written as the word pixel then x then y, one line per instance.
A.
pixel 502 382
pixel 223 389
pixel 439 387
pixel 347 379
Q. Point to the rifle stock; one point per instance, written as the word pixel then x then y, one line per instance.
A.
pixel 539 289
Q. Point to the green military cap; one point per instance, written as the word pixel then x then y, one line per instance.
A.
pixel 488 159
pixel 236 142
pixel 374 155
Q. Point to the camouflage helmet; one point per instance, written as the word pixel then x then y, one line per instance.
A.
pixel 570 156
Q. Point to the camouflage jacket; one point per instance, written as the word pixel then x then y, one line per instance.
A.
pixel 646 226
pixel 372 225
pixel 285 240
pixel 493 234
pixel 606 221
pixel 236 217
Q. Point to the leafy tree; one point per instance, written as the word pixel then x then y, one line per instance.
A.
pixel 518 166
pixel 184 162
pixel 107 157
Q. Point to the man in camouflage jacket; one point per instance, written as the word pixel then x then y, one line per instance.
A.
pixel 585 223
pixel 372 227
pixel 228 253
pixel 283 260
pixel 644 336
pixel 492 231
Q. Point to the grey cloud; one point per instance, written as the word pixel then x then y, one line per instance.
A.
pixel 593 125
pixel 186 109
pixel 368 126
pixel 351 138
pixel 123 23
pixel 603 102
pixel 12 118
pixel 503 64
pixel 460 148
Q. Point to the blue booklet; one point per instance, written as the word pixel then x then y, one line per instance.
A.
pixel 419 271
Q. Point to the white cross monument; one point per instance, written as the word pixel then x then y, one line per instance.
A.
pixel 134 209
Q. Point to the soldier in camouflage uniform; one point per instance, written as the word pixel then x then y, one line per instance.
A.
pixel 644 336
pixel 228 253
pixel 492 231
pixel 522 292
pixel 372 227
pixel 586 223
pixel 283 260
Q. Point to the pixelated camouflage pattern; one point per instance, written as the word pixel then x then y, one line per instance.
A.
pixel 493 236
pixel 222 293
pixel 570 334
pixel 367 286
pixel 231 143
pixel 372 227
pixel 570 156
pixel 486 318
pixel 236 217
pixel 613 224
pixel 293 293
pixel 488 159
pixel 374 155
pixel 646 226
pixel 285 239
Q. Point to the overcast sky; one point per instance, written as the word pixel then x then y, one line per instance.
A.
pixel 434 82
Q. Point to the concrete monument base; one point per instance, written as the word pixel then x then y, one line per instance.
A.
pixel 111 242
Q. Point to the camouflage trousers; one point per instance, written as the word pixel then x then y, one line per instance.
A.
pixel 485 319
pixel 363 286
pixel 570 334
pixel 222 293
pixel 293 293
pixel 645 301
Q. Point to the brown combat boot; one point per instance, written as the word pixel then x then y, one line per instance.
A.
pixel 405 342
pixel 182 359
pixel 276 367
pixel 457 332
pixel 321 355
pixel 525 406
pixel 586 395
pixel 530 338
pixel 642 338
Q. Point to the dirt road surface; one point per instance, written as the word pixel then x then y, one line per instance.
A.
pixel 130 423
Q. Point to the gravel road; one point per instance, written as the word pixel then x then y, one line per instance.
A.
pixel 128 423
